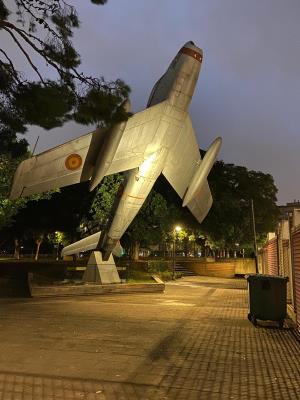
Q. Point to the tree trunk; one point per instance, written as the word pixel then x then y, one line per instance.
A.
pixel 134 251
pixel 17 249
pixel 38 245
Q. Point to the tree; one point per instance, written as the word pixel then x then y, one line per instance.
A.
pixel 38 241
pixel 44 29
pixel 150 225
pixel 58 211
pixel 155 222
pixel 11 146
pixel 229 220
pixel 8 208
pixel 102 207
pixel 11 154
pixel 228 223
pixel 58 238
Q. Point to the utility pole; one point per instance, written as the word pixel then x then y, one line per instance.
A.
pixel 254 234
pixel 174 260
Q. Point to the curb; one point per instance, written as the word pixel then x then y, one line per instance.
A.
pixel 93 289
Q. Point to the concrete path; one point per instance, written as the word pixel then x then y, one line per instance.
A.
pixel 192 342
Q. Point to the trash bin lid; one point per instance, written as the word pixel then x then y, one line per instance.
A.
pixel 253 277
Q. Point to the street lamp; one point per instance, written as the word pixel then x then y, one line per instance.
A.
pixel 254 235
pixel 177 229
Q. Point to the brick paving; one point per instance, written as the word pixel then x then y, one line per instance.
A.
pixel 193 342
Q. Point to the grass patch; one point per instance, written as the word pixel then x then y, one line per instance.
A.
pixel 138 276
pixel 142 271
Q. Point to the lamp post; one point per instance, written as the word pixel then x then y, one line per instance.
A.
pixel 58 239
pixel 176 230
pixel 254 235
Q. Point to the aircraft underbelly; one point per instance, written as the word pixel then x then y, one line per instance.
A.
pixel 139 183
pixel 141 180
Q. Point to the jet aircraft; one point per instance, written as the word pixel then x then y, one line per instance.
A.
pixel 159 139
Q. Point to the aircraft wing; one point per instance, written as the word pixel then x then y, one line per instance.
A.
pixel 87 244
pixel 181 165
pixel 138 139
pixel 73 162
pixel 55 168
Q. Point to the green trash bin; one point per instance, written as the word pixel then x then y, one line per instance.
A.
pixel 267 298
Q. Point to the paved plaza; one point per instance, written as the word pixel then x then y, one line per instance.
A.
pixel 192 342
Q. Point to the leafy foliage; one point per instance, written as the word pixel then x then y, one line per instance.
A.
pixel 99 1
pixel 44 28
pixel 41 215
pixel 230 220
pixel 57 238
pixel 101 209
pixel 9 209
pixel 48 106
pixel 151 222
pixel 4 13
pixel 11 146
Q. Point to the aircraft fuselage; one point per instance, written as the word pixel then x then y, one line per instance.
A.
pixel 176 88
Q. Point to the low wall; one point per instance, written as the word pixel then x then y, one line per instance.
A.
pixel 14 283
pixel 244 266
pixel 226 268
pixel 218 269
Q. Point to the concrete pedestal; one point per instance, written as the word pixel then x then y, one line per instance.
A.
pixel 99 271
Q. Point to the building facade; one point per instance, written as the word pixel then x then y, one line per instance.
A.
pixel 281 254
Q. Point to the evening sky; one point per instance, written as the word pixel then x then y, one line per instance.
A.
pixel 249 86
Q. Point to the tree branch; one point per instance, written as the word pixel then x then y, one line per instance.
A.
pixel 37 19
pixel 25 53
pixel 19 30
pixel 12 66
pixel 6 25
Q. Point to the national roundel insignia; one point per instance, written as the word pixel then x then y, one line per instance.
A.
pixel 73 161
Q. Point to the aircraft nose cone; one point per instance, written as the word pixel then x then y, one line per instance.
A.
pixel 192 46
pixel 189 44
